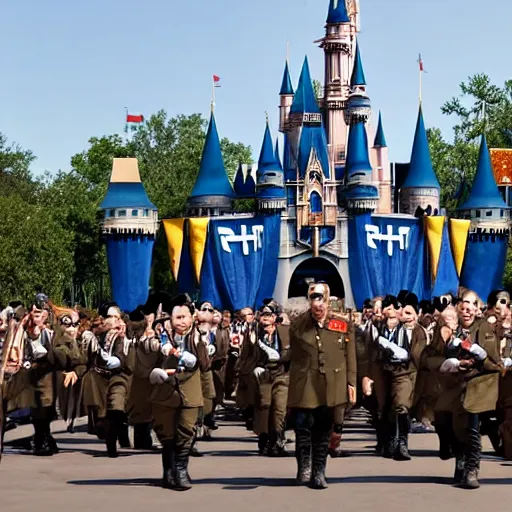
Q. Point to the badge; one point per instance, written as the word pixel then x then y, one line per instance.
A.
pixel 337 326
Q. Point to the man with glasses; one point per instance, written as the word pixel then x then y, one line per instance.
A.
pixel 323 379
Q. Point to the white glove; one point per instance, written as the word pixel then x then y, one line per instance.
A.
pixel 399 353
pixel 273 355
pixel 104 355
pixel 383 342
pixel 113 363
pixel 451 365
pixel 478 351
pixel 211 350
pixel 158 376
pixel 39 352
pixel 258 371
pixel 507 362
pixel 188 360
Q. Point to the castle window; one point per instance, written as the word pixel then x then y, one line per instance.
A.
pixel 135 213
pixel 477 213
pixel 501 213
pixel 107 213
pixel 146 213
pixel 488 213
pixel 121 213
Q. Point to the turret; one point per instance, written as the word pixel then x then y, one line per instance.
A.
pixel 421 188
pixel 270 192
pixel 286 99
pixel 212 194
pixel 485 207
pixel 358 104
pixel 129 228
pixel 382 169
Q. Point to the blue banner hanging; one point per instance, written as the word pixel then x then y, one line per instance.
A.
pixel 386 255
pixel 240 262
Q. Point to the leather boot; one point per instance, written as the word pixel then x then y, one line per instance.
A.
pixel 111 427
pixel 142 436
pixel 303 456
pixel 320 445
pixel 263 441
pixel 335 451
pixel 194 452
pixel 473 454
pixel 380 431
pixel 445 445
pixel 122 434
pixel 41 446
pixel 182 479
pixel 168 464
pixel 402 446
pixel 276 445
pixel 390 440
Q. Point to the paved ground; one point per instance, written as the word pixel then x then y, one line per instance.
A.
pixel 232 477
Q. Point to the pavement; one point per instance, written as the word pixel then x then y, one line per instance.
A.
pixel 232 477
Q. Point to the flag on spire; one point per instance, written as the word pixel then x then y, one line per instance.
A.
pixel 133 121
pixel 216 81
pixel 420 62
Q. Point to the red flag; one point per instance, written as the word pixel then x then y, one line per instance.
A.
pixel 216 80
pixel 420 62
pixel 130 118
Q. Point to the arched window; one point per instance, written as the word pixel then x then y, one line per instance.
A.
pixel 315 203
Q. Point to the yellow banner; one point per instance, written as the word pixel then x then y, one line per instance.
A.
pixel 174 233
pixel 459 230
pixel 198 229
pixel 434 230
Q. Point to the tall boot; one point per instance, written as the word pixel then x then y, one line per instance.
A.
pixel 320 448
pixel 390 439
pixel 41 445
pixel 168 464
pixel 444 433
pixel 473 454
pixel 380 431
pixel 111 434
pixel 182 479
pixel 402 446
pixel 303 456
pixel 122 434
pixel 194 452
pixel 276 446
pixel 142 436
pixel 263 444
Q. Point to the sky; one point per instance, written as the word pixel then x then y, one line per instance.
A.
pixel 70 68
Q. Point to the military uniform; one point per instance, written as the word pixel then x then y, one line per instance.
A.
pixel 323 365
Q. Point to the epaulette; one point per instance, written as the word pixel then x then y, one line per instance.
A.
pixel 337 324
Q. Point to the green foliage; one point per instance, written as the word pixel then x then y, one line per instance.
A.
pixel 317 89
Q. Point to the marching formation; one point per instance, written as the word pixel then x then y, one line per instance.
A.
pixel 167 367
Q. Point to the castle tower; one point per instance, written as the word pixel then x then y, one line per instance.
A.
pixel 212 194
pixel 129 227
pixel 270 193
pixel 360 194
pixel 286 99
pixel 421 188
pixel 338 48
pixel 485 206
pixel 382 169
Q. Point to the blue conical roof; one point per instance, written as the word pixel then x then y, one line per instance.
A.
pixel 380 139
pixel 305 100
pixel 286 84
pixel 238 184
pixel 290 172
pixel 212 179
pixel 357 150
pixel 337 12
pixel 249 188
pixel 267 160
pixel 358 77
pixel 484 192
pixel 278 157
pixel 421 173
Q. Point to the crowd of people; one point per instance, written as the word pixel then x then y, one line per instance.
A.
pixel 169 366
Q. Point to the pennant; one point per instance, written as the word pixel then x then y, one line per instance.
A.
pixel 459 231
pixel 420 62
pixel 434 231
pixel 198 228
pixel 131 118
pixel 174 233
pixel 216 81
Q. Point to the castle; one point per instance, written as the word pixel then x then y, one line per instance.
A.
pixel 330 209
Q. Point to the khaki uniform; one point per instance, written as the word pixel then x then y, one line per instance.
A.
pixel 219 362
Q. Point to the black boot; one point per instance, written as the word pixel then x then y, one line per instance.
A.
pixel 42 447
pixel 209 421
pixel 390 440
pixel 402 446
pixel 473 454
pixel 182 479
pixel 111 434
pixel 142 436
pixel 263 444
pixel 445 445
pixel 303 456
pixel 380 431
pixel 122 434
pixel 276 445
pixel 194 452
pixel 168 464
pixel 320 448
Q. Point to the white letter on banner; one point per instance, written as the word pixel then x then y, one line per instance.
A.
pixel 227 236
pixel 373 234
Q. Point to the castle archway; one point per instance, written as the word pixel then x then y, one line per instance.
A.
pixel 315 269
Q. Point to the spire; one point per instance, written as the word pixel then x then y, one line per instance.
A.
pixel 286 85
pixel 212 179
pixel 337 12
pixel 358 160
pixel 421 173
pixel 484 192
pixel 380 139
pixel 305 100
pixel 267 158
pixel 238 184
pixel 358 77
pixel 278 158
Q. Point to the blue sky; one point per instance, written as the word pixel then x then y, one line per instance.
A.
pixel 70 68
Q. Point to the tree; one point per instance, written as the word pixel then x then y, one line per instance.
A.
pixel 317 89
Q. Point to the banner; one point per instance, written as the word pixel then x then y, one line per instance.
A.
pixel 447 278
pixel 197 229
pixel 174 233
pixel 459 229
pixel 129 264
pixel 484 264
pixel 434 230
pixel 386 255
pixel 241 260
